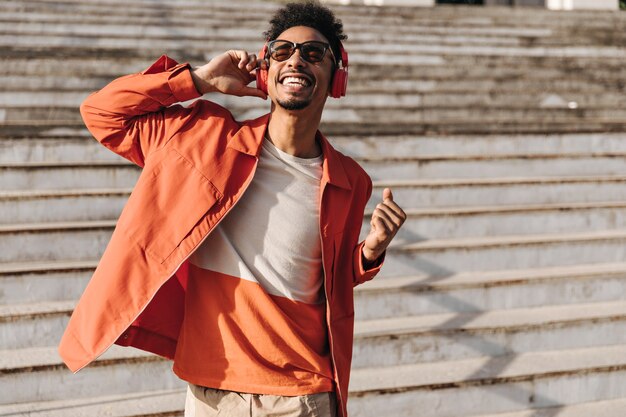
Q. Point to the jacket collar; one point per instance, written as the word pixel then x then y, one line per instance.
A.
pixel 250 136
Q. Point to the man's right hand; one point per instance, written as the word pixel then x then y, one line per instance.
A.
pixel 229 73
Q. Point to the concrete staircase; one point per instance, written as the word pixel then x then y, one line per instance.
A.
pixel 501 131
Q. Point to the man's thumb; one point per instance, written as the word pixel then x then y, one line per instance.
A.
pixel 387 195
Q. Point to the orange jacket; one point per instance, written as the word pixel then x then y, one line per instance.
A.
pixel 197 162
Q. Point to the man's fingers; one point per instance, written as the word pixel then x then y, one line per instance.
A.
pixel 243 59
pixel 262 64
pixel 396 209
pixel 388 201
pixel 254 92
pixel 379 225
pixel 381 214
pixel 394 217
pixel 252 62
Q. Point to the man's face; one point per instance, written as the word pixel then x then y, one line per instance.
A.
pixel 296 84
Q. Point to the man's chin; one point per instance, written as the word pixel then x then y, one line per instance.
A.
pixel 293 104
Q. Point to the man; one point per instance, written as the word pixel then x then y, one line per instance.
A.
pixel 237 252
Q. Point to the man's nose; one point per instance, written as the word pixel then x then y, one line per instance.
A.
pixel 296 60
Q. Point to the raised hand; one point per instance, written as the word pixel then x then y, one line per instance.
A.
pixel 229 73
pixel 386 220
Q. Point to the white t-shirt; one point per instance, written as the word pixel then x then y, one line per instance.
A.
pixel 272 234
pixel 255 312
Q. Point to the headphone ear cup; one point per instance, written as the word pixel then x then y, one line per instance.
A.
pixel 261 74
pixel 261 80
pixel 340 78
pixel 340 83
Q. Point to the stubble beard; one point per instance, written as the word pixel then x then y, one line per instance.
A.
pixel 293 104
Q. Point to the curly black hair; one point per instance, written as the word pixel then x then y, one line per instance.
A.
pixel 311 14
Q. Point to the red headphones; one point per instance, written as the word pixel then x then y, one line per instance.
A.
pixel 340 77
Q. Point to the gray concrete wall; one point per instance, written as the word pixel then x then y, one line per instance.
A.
pixel 541 3
pixel 551 4
pixel 583 4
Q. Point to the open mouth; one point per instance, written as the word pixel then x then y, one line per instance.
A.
pixel 296 81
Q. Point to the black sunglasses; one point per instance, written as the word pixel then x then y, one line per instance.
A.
pixel 311 51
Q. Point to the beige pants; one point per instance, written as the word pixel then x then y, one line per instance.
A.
pixel 209 402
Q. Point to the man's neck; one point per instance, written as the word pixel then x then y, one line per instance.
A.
pixel 294 132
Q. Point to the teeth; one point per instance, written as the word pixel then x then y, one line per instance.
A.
pixel 296 80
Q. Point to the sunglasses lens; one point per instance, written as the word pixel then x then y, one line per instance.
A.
pixel 281 51
pixel 311 51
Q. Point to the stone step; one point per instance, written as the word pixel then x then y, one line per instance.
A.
pixel 44 130
pixel 412 193
pixel 399 340
pixel 482 91
pixel 552 208
pixel 211 47
pixel 71 241
pixel 430 21
pixel 389 117
pixel 436 222
pixel 448 222
pixel 477 387
pixel 405 80
pixel 172 402
pixel 35 281
pixel 610 408
pixel 34 325
pixel 40 25
pixel 452 68
pixel 43 175
pixel 168 403
pixel 502 191
pixel 351 16
pixel 502 166
pixel 59 128
pixel 64 149
pixel 452 114
pixel 80 146
pixel 531 25
pixel 557 94
pixel 480 291
pixel 457 336
pixel 387 14
pixel 199 54
pixel 77 241
pixel 467 68
pixel 22 77
pixel 447 256
pixel 146 372
pixel 61 205
pixel 359 52
pixel 37 374
pixel 183 8
pixel 410 145
pixel 439 127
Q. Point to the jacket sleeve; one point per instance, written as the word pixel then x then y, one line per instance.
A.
pixel 361 274
pixel 133 115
